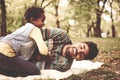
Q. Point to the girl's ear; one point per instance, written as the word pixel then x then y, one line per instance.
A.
pixel 32 20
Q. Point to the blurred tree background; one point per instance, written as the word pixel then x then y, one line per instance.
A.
pixel 80 18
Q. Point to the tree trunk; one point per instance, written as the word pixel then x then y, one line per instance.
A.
pixel 113 31
pixel 89 31
pixel 119 6
pixel 56 14
pixel 112 27
pixel 99 11
pixel 98 24
pixel 3 25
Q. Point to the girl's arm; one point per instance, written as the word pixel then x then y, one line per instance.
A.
pixel 37 36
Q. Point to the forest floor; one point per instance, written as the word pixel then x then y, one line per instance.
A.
pixel 110 70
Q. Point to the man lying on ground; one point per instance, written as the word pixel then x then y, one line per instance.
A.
pixel 62 51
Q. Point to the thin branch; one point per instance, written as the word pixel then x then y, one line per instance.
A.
pixel 48 4
pixel 42 3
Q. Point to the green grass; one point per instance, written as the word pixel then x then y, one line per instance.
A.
pixel 104 44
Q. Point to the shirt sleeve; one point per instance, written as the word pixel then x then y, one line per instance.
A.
pixel 37 36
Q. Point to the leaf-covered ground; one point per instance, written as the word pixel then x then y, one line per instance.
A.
pixel 109 71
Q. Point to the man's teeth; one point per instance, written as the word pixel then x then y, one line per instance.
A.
pixel 74 52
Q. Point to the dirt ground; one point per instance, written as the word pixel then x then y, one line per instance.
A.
pixel 110 70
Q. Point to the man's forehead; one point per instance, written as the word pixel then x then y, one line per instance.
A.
pixel 78 44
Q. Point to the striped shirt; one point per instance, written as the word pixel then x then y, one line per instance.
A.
pixel 55 39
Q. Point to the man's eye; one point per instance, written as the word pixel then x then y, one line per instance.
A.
pixel 80 47
pixel 72 49
pixel 84 47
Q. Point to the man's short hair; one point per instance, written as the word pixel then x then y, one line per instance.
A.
pixel 93 50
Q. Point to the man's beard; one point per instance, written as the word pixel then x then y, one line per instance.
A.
pixel 68 54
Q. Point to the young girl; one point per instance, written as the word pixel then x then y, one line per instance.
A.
pixel 17 47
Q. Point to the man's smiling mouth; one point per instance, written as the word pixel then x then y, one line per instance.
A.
pixel 75 52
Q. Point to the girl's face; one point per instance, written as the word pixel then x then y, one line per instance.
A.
pixel 39 22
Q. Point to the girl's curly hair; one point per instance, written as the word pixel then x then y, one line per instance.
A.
pixel 33 12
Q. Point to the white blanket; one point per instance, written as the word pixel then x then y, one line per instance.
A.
pixel 77 67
